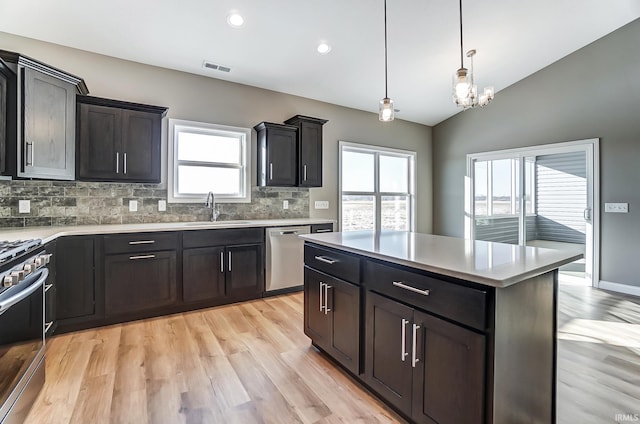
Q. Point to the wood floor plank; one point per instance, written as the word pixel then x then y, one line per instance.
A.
pixel 251 363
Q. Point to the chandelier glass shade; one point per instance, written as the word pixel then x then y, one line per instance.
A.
pixel 385 111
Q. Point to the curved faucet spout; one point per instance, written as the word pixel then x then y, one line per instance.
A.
pixel 211 203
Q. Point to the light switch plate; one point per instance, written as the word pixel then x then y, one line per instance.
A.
pixel 162 205
pixel 24 206
pixel 133 206
pixel 321 204
pixel 616 207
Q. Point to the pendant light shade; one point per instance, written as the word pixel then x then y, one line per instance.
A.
pixel 385 112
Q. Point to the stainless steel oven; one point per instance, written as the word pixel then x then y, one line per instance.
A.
pixel 22 285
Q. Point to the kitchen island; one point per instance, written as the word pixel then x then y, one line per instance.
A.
pixel 444 330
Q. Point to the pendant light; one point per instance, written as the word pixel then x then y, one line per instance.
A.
pixel 386 111
pixel 465 91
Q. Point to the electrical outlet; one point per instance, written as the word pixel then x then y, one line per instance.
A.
pixel 285 204
pixel 24 206
pixel 133 206
pixel 616 207
pixel 321 204
pixel 162 205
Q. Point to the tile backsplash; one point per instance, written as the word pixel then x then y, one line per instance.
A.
pixel 89 203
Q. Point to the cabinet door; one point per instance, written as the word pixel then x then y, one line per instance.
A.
pixel 448 383
pixel 388 345
pixel 99 149
pixel 74 278
pixel 138 282
pixel 317 325
pixel 343 304
pixel 203 274
pixel 245 270
pixel 141 140
pixel 310 159
pixel 281 169
pixel 48 141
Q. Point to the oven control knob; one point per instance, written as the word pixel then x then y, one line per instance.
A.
pixel 9 280
pixel 18 275
pixel 29 268
pixel 45 259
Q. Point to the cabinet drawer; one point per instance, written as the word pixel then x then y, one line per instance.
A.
pixel 206 238
pixel 140 242
pixel 338 264
pixel 463 304
pixel 322 228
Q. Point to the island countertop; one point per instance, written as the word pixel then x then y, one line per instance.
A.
pixel 488 263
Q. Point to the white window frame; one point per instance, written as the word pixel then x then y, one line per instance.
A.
pixel 377 194
pixel 178 125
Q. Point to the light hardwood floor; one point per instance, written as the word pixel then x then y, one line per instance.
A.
pixel 251 363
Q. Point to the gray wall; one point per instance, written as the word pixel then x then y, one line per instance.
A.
pixel 592 93
pixel 205 99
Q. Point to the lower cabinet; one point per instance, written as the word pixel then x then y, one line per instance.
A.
pixel 332 317
pixel 139 282
pixel 75 280
pixel 428 368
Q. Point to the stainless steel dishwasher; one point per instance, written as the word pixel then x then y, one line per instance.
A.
pixel 285 258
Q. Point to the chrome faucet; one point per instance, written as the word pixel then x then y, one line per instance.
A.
pixel 211 203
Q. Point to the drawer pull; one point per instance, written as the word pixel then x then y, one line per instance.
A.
pixel 326 260
pixel 133 243
pixel 133 258
pixel 323 230
pixel 424 292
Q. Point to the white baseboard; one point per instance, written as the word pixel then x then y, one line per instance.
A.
pixel 620 288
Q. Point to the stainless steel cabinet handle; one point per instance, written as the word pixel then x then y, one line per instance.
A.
pixel 221 261
pixel 321 289
pixel 323 230
pixel 29 154
pixel 47 326
pixel 117 162
pixel 229 267
pixel 284 233
pixel 424 292
pixel 133 243
pixel 47 287
pixel 326 298
pixel 305 172
pixel 124 163
pixel 414 359
pixel 403 340
pixel 133 258
pixel 271 171
pixel 325 260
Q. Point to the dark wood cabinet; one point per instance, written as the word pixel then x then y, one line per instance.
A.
pixel 46 104
pixel 277 155
pixel 309 149
pixel 222 265
pixel 7 119
pixel 118 141
pixel 430 369
pixel 75 279
pixel 138 282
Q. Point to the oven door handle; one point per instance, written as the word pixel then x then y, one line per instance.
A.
pixel 7 303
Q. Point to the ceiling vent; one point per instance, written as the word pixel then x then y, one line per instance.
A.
pixel 215 66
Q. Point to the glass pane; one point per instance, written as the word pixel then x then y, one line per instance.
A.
pixel 394 173
pixel 395 213
pixel 358 213
pixel 515 201
pixel 529 187
pixel 208 148
pixel 357 171
pixel 501 187
pixel 480 188
pixel 202 179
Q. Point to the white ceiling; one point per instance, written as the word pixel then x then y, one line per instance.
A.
pixel 276 48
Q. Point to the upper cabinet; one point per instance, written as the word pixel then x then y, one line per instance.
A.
pixel 277 155
pixel 45 104
pixel 290 154
pixel 309 149
pixel 118 141
pixel 7 115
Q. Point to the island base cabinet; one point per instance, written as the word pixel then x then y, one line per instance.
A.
pixel 429 369
pixel 332 317
pixel 139 282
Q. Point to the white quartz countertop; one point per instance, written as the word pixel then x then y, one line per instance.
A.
pixel 488 263
pixel 48 234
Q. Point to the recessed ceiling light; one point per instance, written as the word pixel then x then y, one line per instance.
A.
pixel 323 48
pixel 235 20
